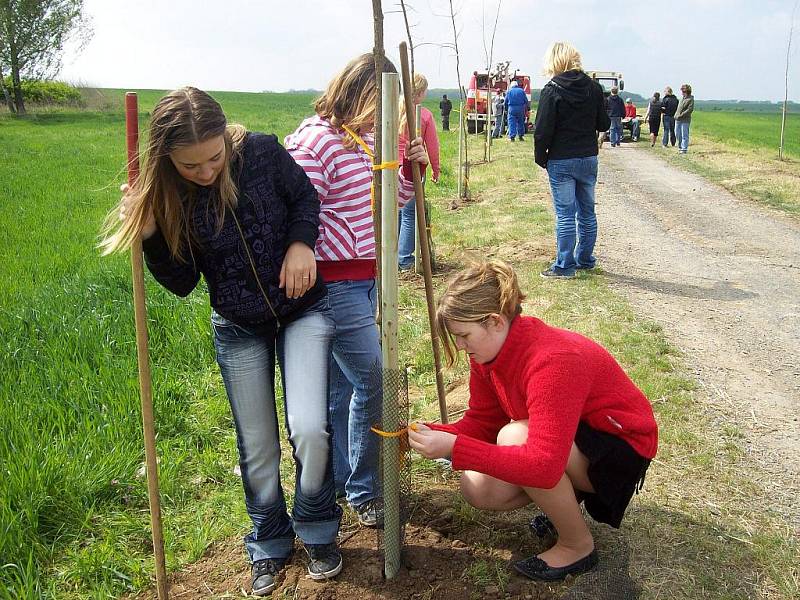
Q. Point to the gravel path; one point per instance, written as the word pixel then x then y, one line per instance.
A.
pixel 723 278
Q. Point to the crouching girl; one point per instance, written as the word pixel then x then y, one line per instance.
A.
pixel 232 206
pixel 552 419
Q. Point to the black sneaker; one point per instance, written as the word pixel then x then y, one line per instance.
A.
pixel 551 274
pixel 264 573
pixel 370 513
pixel 324 560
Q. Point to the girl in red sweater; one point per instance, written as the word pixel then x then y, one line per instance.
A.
pixel 552 419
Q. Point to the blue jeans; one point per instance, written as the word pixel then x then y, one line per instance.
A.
pixel 498 125
pixel 615 133
pixel 635 128
pixel 682 133
pixel 516 123
pixel 669 131
pixel 572 182
pixel 407 237
pixel 247 362
pixel 356 393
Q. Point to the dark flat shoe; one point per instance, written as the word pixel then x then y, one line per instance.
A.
pixel 536 568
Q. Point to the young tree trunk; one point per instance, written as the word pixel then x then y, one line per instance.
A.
pixel 15 82
pixel 786 83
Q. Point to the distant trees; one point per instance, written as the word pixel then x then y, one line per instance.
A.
pixel 32 36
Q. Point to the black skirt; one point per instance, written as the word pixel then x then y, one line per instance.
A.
pixel 616 471
pixel 654 124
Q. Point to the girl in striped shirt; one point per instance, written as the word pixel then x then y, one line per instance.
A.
pixel 335 148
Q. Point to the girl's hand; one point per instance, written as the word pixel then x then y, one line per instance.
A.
pixel 126 208
pixel 415 151
pixel 429 442
pixel 299 270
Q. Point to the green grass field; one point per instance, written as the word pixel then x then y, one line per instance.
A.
pixel 747 131
pixel 73 507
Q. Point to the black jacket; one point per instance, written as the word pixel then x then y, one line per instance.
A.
pixel 277 205
pixel 669 104
pixel 571 112
pixel 616 106
pixel 445 106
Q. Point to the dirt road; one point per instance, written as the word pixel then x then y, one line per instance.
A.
pixel 723 277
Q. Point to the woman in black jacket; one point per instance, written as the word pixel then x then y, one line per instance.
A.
pixel 571 113
pixel 233 206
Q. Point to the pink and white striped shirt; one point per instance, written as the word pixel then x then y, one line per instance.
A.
pixel 343 178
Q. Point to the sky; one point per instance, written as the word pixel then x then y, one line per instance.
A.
pixel 726 49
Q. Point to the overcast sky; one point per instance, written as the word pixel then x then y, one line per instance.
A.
pixel 724 48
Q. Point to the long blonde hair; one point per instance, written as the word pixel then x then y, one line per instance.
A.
pixel 561 57
pixel 351 95
pixel 473 295
pixel 182 118
pixel 420 86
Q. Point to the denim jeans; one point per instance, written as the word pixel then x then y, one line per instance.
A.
pixel 498 125
pixel 356 394
pixel 669 131
pixel 615 133
pixel 682 133
pixel 635 128
pixel 407 236
pixel 247 362
pixel 572 182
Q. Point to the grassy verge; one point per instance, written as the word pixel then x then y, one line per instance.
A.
pixel 739 151
pixel 704 527
pixel 72 505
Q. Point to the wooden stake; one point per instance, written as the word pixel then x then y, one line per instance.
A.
pixel 419 194
pixel 390 331
pixel 145 387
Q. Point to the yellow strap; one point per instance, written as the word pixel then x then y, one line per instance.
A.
pixel 391 164
pixel 359 141
pixel 394 434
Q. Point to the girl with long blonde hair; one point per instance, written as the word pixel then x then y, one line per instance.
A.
pixel 217 201
pixel 552 419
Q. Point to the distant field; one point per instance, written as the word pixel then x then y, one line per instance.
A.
pixel 749 130
pixel 739 151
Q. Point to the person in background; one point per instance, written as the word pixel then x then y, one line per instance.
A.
pixel 427 129
pixel 516 103
pixel 632 119
pixel 445 107
pixel 616 112
pixel 552 419
pixel 498 104
pixel 653 116
pixel 216 201
pixel 669 104
pixel 683 117
pixel 335 149
pixel 571 112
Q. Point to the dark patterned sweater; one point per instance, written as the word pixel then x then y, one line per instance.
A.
pixel 277 205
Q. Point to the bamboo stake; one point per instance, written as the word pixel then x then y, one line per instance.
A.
pixel 419 194
pixel 417 259
pixel 390 329
pixel 146 392
pixel 460 149
pixel 379 57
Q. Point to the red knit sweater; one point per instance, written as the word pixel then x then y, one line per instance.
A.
pixel 555 378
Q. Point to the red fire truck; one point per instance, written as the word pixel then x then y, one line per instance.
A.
pixel 481 83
